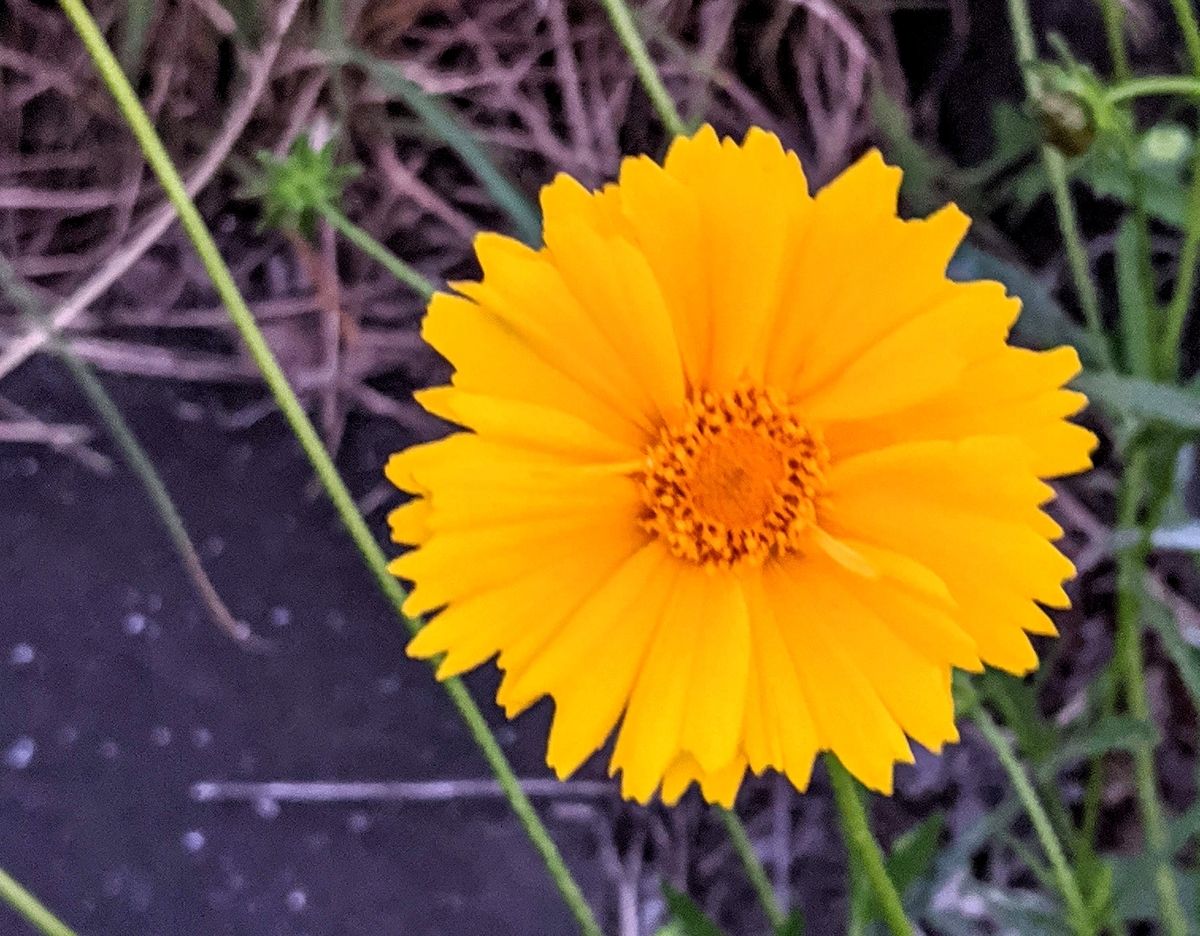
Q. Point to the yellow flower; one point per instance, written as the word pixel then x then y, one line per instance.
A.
pixel 747 474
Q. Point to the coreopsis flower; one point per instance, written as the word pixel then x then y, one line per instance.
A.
pixel 746 474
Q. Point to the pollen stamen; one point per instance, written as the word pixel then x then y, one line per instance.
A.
pixel 737 480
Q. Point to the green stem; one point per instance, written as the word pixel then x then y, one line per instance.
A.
pixel 136 457
pixel 1063 876
pixel 1152 85
pixel 635 48
pixel 1185 15
pixel 754 869
pixel 1056 172
pixel 310 441
pixel 1114 28
pixel 863 847
pixel 1131 567
pixel 372 248
pixel 28 906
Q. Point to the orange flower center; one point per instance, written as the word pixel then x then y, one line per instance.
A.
pixel 738 480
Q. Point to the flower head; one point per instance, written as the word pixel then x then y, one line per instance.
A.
pixel 747 475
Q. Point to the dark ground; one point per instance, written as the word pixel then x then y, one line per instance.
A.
pixel 119 694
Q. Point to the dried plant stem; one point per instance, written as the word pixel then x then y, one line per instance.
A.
pixel 863 848
pixel 1131 568
pixel 372 248
pixel 639 56
pixel 1056 171
pixel 753 867
pixel 28 907
pixel 310 441
pixel 1068 886
pixel 137 459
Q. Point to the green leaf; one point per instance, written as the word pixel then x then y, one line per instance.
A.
pixel 912 856
pixel 1043 323
pixel 1142 399
pixel 1107 734
pixel 687 915
pixel 1107 176
pixel 1135 896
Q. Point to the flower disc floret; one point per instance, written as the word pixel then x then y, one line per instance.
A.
pixel 737 480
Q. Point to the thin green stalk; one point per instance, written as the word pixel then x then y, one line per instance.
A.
pixel 754 869
pixel 1068 886
pixel 29 907
pixel 1131 567
pixel 137 459
pixel 1151 86
pixel 1056 172
pixel 863 847
pixel 1113 12
pixel 635 48
pixel 1185 15
pixel 310 441
pixel 372 248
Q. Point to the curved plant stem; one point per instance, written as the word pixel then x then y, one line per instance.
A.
pixel 310 441
pixel 1185 15
pixel 754 869
pixel 635 47
pixel 1113 12
pixel 137 459
pixel 1131 567
pixel 1056 171
pixel 863 848
pixel 372 248
pixel 1063 875
pixel 29 907
pixel 1152 85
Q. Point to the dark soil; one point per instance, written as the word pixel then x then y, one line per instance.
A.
pixel 119 694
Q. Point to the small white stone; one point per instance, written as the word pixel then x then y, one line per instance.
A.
pixel 192 841
pixel 134 624
pixel 201 737
pixel 266 808
pixel 22 655
pixel 20 753
pixel 280 617
pixel 296 900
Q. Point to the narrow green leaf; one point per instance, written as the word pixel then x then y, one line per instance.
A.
pixel 1142 399
pixel 1135 317
pixel 1110 733
pixel 435 116
pixel 688 915
pixel 913 852
pixel 1135 896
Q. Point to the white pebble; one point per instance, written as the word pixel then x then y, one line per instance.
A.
pixel 280 617
pixel 20 754
pixel 266 807
pixel 22 655
pixel 193 841
pixel 297 900
pixel 134 624
pixel 201 737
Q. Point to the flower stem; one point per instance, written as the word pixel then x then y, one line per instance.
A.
pixel 1131 567
pixel 1056 171
pixel 310 441
pixel 863 847
pixel 1185 15
pixel 754 869
pixel 1064 877
pixel 1113 12
pixel 635 47
pixel 1152 85
pixel 372 248
pixel 29 907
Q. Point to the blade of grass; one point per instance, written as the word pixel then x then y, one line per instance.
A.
pixel 137 459
pixel 1068 886
pixel 753 867
pixel 439 120
pixel 635 47
pixel 29 907
pixel 310 441
pixel 372 248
